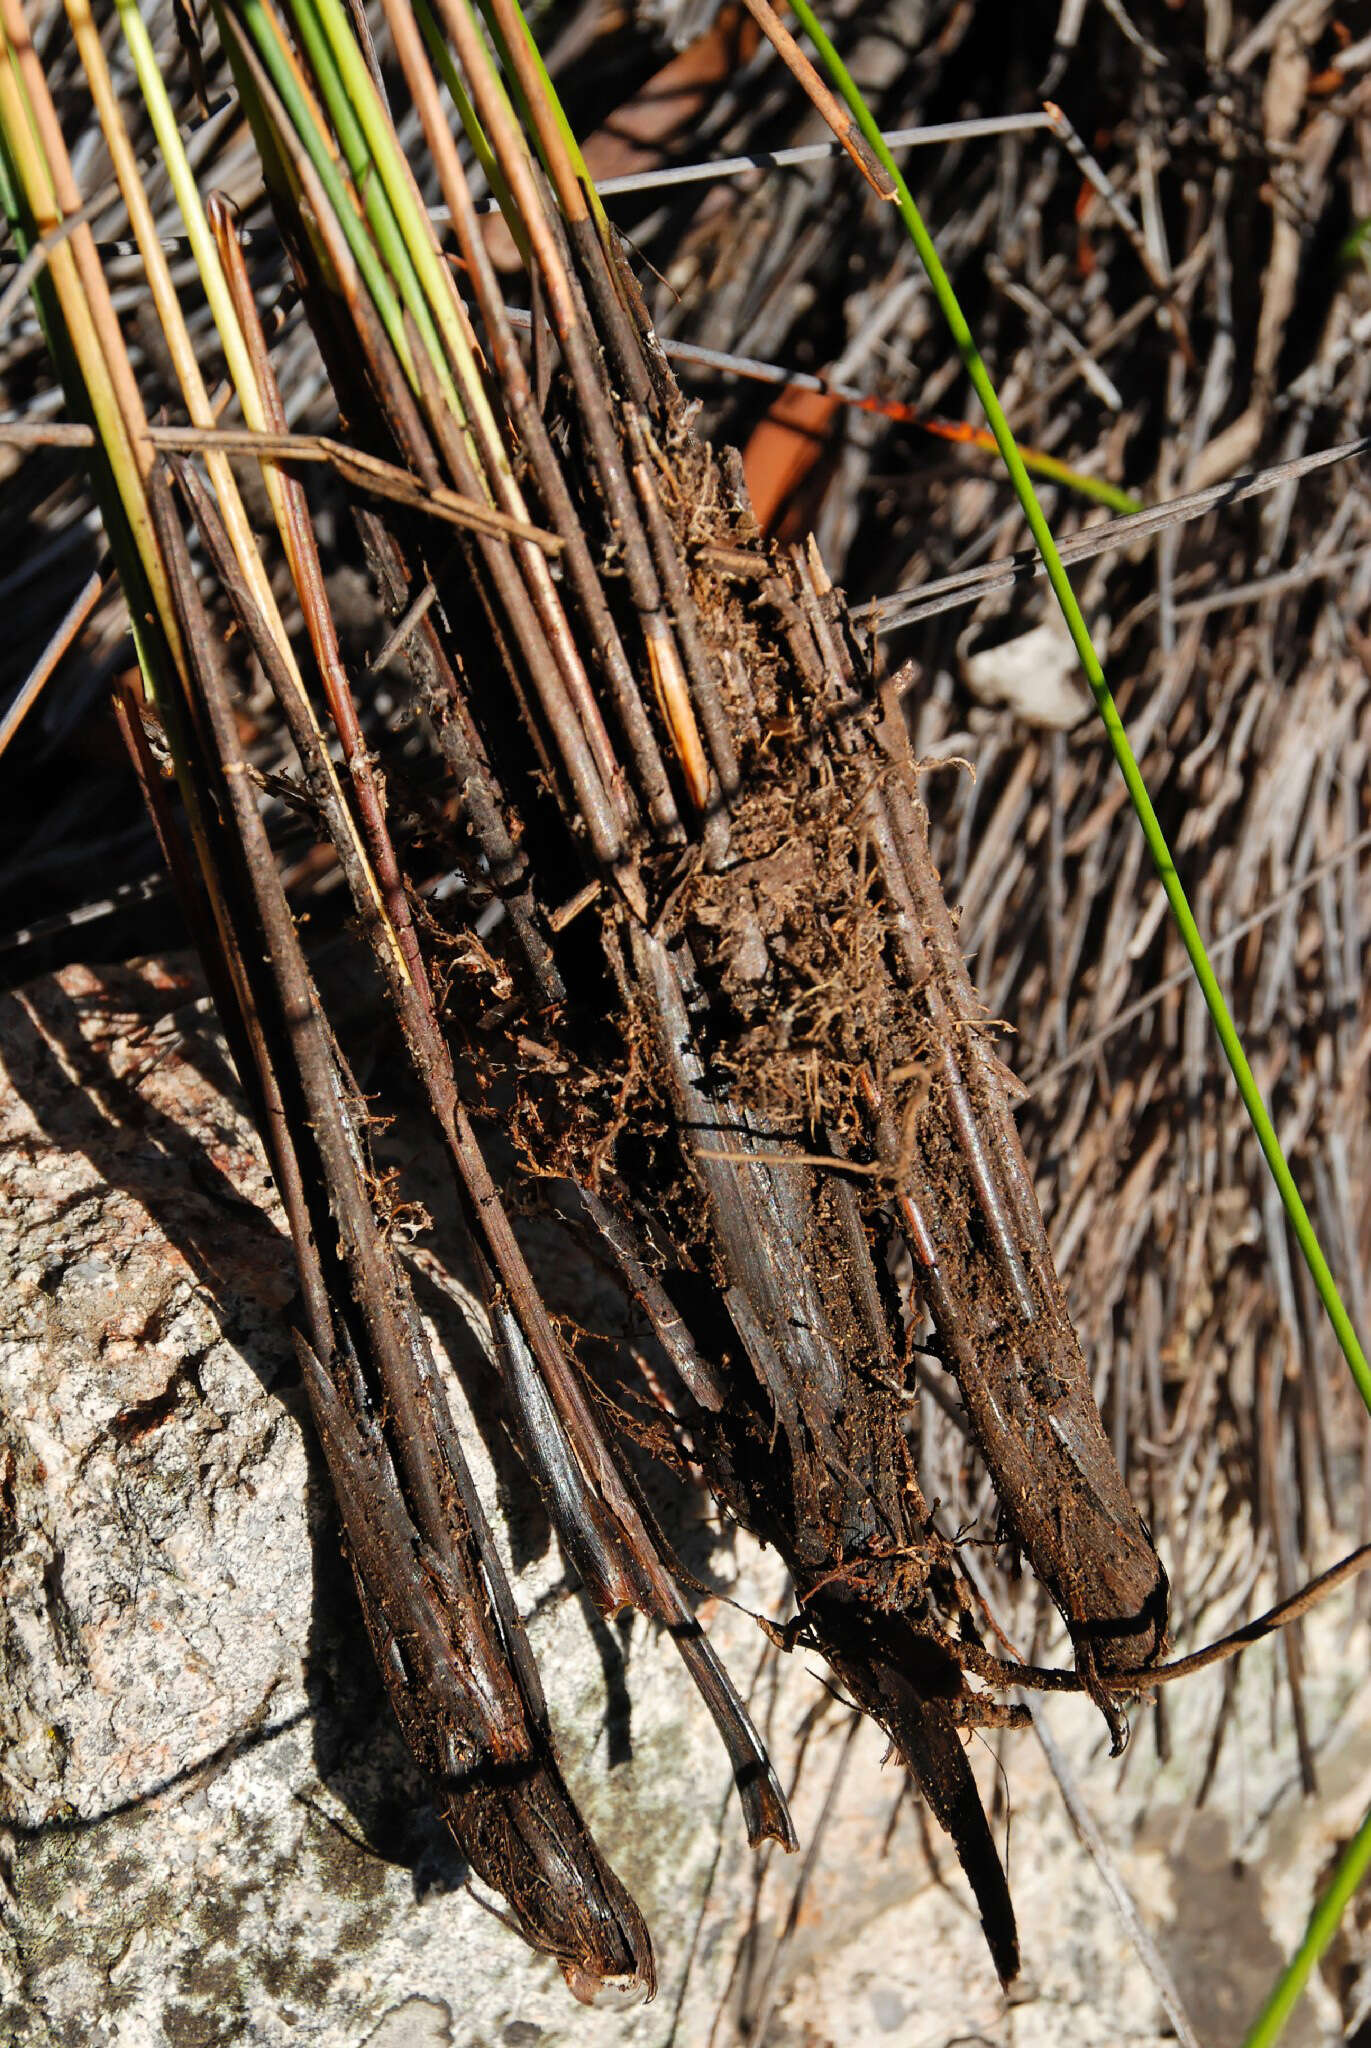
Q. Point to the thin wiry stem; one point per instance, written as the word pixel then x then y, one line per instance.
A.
pixel 904 607
pixel 1348 1875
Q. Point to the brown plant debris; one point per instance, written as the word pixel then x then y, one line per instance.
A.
pixel 642 860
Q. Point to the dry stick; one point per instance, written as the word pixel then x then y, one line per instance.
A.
pixel 668 175
pixel 526 415
pixel 34 683
pixel 987 1104
pixel 774 1291
pixel 826 103
pixel 308 574
pixel 669 678
pixel 1297 578
pixel 1067 341
pixel 573 1904
pixel 356 466
pixel 663 178
pixel 903 608
pixel 1096 176
pixel 372 473
pixel 1263 34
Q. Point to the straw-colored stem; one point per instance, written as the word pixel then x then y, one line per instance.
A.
pixel 212 280
pixel 88 345
pixel 382 875
pixel 537 101
pixel 91 326
pixel 167 304
pixel 238 355
pixel 507 139
pixel 65 200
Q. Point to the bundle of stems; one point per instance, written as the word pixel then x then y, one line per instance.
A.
pixel 734 1035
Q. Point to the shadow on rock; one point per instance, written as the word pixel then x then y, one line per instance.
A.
pixel 239 1257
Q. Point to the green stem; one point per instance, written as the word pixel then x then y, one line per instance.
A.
pixel 1305 1234
pixel 1353 1865
pixel 262 27
pixel 1093 487
pixel 348 95
pixel 411 246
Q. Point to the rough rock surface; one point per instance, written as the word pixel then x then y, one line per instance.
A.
pixel 212 1834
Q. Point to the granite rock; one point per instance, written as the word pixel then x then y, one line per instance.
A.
pixel 212 1833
